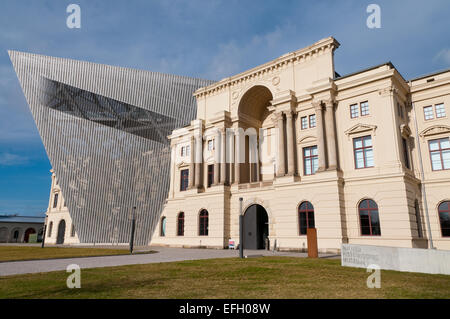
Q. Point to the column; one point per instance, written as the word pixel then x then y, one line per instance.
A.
pixel 320 135
pixel 191 163
pixel 216 157
pixel 280 156
pixel 198 160
pixel 330 132
pixel 237 153
pixel 290 143
pixel 223 160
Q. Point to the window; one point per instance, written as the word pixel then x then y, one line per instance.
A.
pixel 72 231
pixel 310 160
pixel 444 218
pixel 368 218
pixel 440 110
pixel 364 108
pixel 162 231
pixel 55 200
pixel 312 121
pixel 363 152
pixel 185 151
pixel 440 154
pixel 428 112
pixel 50 228
pixel 305 217
pixel 203 223
pixel 180 224
pixel 406 153
pixel 210 145
pixel 304 122
pixel 184 182
pixel 354 111
pixel 210 175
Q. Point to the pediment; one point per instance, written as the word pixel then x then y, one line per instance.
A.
pixel 434 130
pixel 182 163
pixel 306 139
pixel 360 128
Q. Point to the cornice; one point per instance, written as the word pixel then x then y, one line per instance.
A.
pixel 297 56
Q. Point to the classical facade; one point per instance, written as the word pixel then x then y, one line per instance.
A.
pixel 60 228
pixel 364 158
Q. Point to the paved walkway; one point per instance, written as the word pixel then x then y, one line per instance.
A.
pixel 163 254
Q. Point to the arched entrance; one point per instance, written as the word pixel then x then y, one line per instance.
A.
pixel 61 232
pixel 28 232
pixel 256 227
pixel 256 121
pixel 15 235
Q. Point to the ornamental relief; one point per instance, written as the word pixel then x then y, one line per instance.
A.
pixel 434 130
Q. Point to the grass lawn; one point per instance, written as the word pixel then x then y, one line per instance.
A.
pixel 264 277
pixel 14 253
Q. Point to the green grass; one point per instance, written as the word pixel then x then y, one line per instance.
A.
pixel 264 277
pixel 15 253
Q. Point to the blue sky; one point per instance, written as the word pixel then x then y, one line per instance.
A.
pixel 209 39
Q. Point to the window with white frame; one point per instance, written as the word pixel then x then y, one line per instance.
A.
pixel 428 112
pixel 440 110
pixel 312 120
pixel 354 111
pixel 304 122
pixel 210 145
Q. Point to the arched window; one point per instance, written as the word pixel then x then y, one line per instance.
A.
pixel 444 218
pixel 49 233
pixel 180 226
pixel 305 217
pixel 203 223
pixel 368 218
pixel 163 227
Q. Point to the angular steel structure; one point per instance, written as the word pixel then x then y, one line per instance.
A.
pixel 105 132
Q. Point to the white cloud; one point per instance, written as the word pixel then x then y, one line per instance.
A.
pixel 8 159
pixel 443 56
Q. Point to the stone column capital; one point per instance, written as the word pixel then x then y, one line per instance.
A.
pixel 288 114
pixel 318 105
pixel 329 103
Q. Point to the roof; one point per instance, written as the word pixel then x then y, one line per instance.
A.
pixel 21 219
pixel 429 74
pixel 364 70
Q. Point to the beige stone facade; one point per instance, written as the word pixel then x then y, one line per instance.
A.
pixel 58 220
pixel 337 142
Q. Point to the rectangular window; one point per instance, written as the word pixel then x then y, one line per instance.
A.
pixel 184 182
pixel 406 152
pixel 188 150
pixel 428 112
pixel 440 154
pixel 354 111
pixel 210 145
pixel 440 110
pixel 182 151
pixel 310 160
pixel 312 121
pixel 363 152
pixel 364 108
pixel 210 175
pixel 304 123
pixel 55 200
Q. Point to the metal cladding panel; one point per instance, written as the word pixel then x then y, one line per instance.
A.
pixel 105 132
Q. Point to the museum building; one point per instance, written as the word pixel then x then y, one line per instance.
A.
pixel 364 158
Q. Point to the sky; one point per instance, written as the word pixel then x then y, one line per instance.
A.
pixel 208 39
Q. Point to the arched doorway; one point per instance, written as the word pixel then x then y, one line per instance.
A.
pixel 3 235
pixel 256 227
pixel 61 232
pixel 15 235
pixel 28 232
